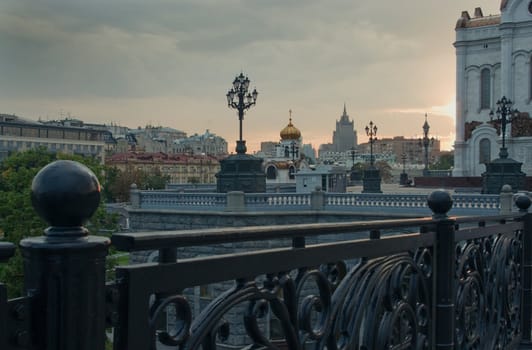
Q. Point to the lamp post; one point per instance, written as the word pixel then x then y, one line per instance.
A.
pixel 239 98
pixel 241 171
pixel 503 170
pixel 504 114
pixel 353 153
pixel 403 178
pixel 372 179
pixel 371 131
pixel 425 143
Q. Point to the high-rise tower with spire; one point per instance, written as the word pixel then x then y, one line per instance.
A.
pixel 345 136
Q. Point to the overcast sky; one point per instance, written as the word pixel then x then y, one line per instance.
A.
pixel 171 62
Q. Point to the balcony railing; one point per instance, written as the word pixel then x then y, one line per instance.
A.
pixel 444 283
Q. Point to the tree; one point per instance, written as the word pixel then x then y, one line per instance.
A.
pixel 155 180
pixel 19 220
pixel 445 162
pixel 385 170
pixel 193 180
pixel 118 182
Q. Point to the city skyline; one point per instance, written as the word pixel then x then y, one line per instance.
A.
pixel 135 63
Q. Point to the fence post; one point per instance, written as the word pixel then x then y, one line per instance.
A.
pixel 317 199
pixel 235 201
pixel 506 199
pixel 523 203
pixel 444 269
pixel 134 196
pixel 64 270
pixel 6 251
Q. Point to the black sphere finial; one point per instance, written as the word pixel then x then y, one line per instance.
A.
pixel 522 201
pixel 65 194
pixel 440 202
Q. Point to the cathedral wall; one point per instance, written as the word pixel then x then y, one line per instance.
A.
pixel 505 50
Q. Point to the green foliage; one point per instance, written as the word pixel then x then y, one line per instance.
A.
pixel 445 162
pixel 155 180
pixel 118 182
pixel 385 169
pixel 193 180
pixel 18 219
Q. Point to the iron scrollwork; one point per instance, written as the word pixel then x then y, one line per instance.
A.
pixel 380 303
pixel 488 299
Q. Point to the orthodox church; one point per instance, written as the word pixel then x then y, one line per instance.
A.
pixel 493 59
pixel 282 167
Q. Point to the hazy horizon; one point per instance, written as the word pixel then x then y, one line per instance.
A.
pixel 135 63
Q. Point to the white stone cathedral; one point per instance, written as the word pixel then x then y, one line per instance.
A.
pixel 493 59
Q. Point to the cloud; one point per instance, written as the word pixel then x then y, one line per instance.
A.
pixel 177 59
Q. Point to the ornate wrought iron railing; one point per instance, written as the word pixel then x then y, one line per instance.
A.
pixel 445 283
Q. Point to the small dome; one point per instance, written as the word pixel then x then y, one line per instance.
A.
pixel 290 132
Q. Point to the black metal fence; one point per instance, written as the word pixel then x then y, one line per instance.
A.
pixel 448 283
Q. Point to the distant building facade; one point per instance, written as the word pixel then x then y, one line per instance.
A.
pixel 180 169
pixel 493 59
pixel 207 143
pixel 68 136
pixel 154 139
pixel 393 149
pixel 328 178
pixel 345 136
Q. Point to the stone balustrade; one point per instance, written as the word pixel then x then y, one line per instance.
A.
pixel 318 200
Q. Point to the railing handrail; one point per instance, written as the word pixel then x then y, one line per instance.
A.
pixel 137 241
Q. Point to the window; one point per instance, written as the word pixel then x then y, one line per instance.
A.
pixel 30 132
pixel 271 173
pixel 485 89
pixel 291 173
pixel 484 155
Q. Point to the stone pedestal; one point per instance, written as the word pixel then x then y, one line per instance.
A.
pixel 502 171
pixel 235 201
pixel 403 179
pixel 241 172
pixel 371 182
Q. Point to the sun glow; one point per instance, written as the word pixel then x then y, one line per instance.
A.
pixel 448 110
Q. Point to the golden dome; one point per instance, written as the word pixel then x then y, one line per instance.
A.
pixel 290 132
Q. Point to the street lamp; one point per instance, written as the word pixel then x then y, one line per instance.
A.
pixel 239 98
pixel 503 170
pixel 505 115
pixel 426 142
pixel 353 153
pixel 371 182
pixel 403 177
pixel 371 132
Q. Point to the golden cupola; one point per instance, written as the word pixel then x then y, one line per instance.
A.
pixel 290 132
